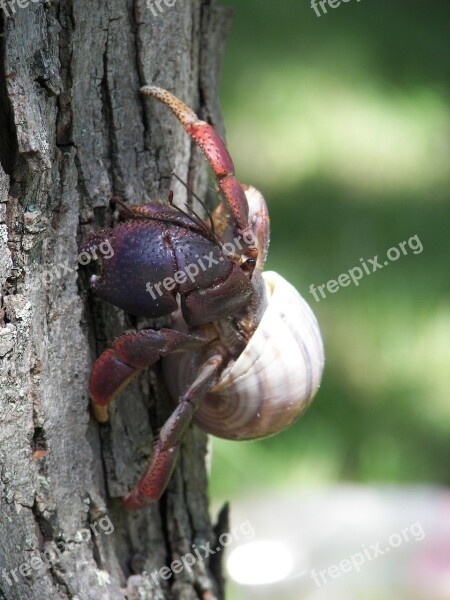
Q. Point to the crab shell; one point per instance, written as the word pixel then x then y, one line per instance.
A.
pixel 275 378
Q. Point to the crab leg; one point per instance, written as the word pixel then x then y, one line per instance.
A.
pixel 162 460
pixel 114 370
pixel 214 150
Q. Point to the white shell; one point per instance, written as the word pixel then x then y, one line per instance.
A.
pixel 275 378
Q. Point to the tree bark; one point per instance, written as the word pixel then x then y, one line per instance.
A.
pixel 74 131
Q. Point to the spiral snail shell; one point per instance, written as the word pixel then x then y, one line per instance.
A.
pixel 275 378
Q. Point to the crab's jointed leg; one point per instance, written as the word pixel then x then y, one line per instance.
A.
pixel 163 458
pixel 114 370
pixel 119 365
pixel 214 150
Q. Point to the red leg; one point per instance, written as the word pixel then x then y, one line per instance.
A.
pixel 129 354
pixel 214 150
pixel 162 461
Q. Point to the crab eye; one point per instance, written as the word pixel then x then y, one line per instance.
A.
pixel 248 265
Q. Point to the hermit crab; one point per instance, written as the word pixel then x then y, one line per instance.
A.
pixel 246 354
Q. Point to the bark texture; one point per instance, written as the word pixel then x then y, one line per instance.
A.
pixel 73 131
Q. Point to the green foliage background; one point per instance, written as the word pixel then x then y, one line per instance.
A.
pixel 343 122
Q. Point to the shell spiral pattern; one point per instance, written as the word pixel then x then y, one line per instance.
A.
pixel 275 378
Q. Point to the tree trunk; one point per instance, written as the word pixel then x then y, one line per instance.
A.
pixel 74 131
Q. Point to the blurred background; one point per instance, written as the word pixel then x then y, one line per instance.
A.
pixel 343 122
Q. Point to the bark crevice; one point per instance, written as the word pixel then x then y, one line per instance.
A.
pixel 8 134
